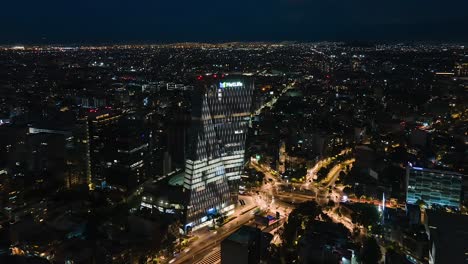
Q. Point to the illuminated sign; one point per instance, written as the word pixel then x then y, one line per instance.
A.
pixel 147 205
pixel 230 84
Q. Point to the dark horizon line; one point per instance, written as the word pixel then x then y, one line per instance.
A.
pixel 220 42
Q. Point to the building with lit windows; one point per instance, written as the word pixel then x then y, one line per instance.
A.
pixel 102 127
pixel 128 164
pixel 434 187
pixel 221 110
pixel 461 69
pixel 165 196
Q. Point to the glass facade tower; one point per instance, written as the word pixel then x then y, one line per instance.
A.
pixel 221 112
pixel 434 187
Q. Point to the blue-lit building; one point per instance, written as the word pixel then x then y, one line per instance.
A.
pixel 221 110
pixel 434 187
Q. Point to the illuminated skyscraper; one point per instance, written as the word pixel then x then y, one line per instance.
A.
pixel 434 187
pixel 102 131
pixel 216 148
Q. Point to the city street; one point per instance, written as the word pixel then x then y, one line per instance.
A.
pixel 266 200
pixel 202 248
pixel 274 195
pixel 334 173
pixel 208 239
pixel 273 101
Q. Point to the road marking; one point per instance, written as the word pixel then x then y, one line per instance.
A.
pixel 213 258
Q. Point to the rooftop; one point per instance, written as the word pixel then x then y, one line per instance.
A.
pixel 244 234
pixel 177 179
pixel 449 233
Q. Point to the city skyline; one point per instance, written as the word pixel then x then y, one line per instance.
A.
pixel 240 132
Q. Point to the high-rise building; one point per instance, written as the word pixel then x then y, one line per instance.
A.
pixel 433 187
pixel 221 110
pixel 176 137
pixel 447 235
pixel 167 163
pixel 129 158
pixel 102 130
pixel 71 164
pixel 78 167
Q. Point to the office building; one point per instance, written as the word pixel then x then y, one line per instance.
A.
pixel 69 142
pixel 176 137
pixel 78 166
pixel 129 158
pixel 434 187
pixel 102 130
pixel 448 236
pixel 221 110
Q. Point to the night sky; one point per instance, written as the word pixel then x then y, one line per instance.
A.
pixel 104 21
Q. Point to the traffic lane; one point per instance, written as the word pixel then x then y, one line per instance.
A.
pixel 201 248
